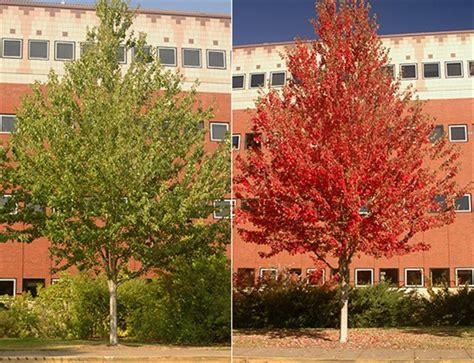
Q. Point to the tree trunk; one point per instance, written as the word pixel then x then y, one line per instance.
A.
pixel 113 311
pixel 344 306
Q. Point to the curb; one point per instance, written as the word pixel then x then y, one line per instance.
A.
pixel 109 359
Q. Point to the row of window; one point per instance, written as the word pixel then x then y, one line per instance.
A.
pixel 413 277
pixel 409 71
pixel 8 286
pixel 66 51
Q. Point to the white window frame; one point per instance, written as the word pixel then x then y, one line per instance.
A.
pixel 1 121
pixel 175 56
pixel 255 74
pixel 243 82
pixel 14 284
pixel 464 268
pixel 232 207
pixel 38 40
pixel 216 51
pixel 423 70
pixel 310 270
pixel 453 62
pixel 458 125
pixel 200 57
pixel 470 204
pixel 9 56
pixel 56 50
pixel 217 123
pixel 408 64
pixel 371 276
pixel 55 280
pixel 469 68
pixel 16 206
pixel 263 269
pixel 238 145
pixel 124 53
pixel 271 78
pixel 422 277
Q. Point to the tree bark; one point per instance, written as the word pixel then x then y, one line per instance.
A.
pixel 113 340
pixel 343 333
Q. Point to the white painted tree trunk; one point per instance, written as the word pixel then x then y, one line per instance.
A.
pixel 113 312
pixel 343 333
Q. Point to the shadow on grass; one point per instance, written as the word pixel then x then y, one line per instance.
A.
pixel 448 331
pixel 312 333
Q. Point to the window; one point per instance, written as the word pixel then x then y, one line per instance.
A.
pixel 12 48
pixel 64 51
pixel 144 56
pixel 167 56
pixel 250 141
pixel 277 79
pixel 236 141
pixel 389 275
pixel 38 49
pixel 216 59
pixel 471 68
pixel 315 277
pixel 122 54
pixel 414 277
pixel 295 273
pixel 437 133
pixel 463 204
pixel 430 70
pixel 441 205
pixel 453 69
pixel 390 70
pixel 408 71
pixel 7 123
pixel 31 286
pixel 248 204
pixel 238 82
pixel 465 276
pixel 364 211
pixel 245 276
pixel 85 47
pixel 192 58
pixel 439 277
pixel 257 80
pixel 218 130
pixel 364 277
pixel 8 287
pixel 55 280
pixel 200 125
pixel 223 208
pixel 457 133
pixel 267 274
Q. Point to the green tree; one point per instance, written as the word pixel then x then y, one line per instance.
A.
pixel 109 162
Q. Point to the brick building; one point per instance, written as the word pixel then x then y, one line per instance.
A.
pixel 441 68
pixel 36 37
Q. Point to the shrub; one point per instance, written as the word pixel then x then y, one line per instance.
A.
pixel 17 318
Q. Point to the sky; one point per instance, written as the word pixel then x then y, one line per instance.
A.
pixel 265 21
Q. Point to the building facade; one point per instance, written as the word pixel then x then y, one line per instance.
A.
pixel 38 37
pixel 441 68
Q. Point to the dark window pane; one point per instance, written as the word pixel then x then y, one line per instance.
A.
pixel 250 141
pixel 441 204
pixel 31 285
pixel 390 70
pixel 248 204
pixel 222 208
pixel 191 58
pixel 85 47
pixel 8 123
pixel 38 49
pixel 463 203
pixel 414 278
pixel 64 51
pixel 364 210
pixel 257 80
pixel 457 133
pixel 464 276
pixel 167 56
pixel 437 133
pixel 363 277
pixel 408 71
pixel 121 54
pixel 315 277
pixel 146 55
pixel 218 131
pixel 245 277
pixel 12 48
pixel 268 274
pixel 278 79
pixel 389 275
pixel 454 69
pixel 431 70
pixel 471 68
pixel 236 141
pixel 216 59
pixel 440 276
pixel 201 125
pixel 7 287
pixel 238 82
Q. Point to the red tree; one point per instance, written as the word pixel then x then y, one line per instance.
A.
pixel 344 164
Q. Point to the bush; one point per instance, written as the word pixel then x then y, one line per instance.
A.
pixel 17 318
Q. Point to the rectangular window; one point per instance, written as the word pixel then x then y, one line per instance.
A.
pixel 267 274
pixel 167 56
pixel 439 277
pixel 122 54
pixel 245 277
pixel 7 287
pixel 408 71
pixel 364 277
pixel 471 68
pixel 236 141
pixel 257 80
pixel 414 277
pixel 463 204
pixel 218 130
pixel 437 133
pixel 38 49
pixel 64 51
pixel 390 70
pixel 440 204
pixel 364 211
pixel 453 69
pixel 55 280
pixel 390 276
pixel 146 55
pixel 85 47
pixel 238 82
pixel 430 70
pixel 12 48
pixel 250 141
pixel 223 208
pixel 465 276
pixel 248 204
pixel 32 285
pixel 192 58
pixel 457 133
pixel 7 123
pixel 315 277
pixel 277 79
pixel 216 59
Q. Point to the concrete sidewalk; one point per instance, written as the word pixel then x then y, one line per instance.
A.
pixel 297 355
